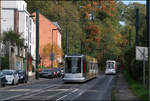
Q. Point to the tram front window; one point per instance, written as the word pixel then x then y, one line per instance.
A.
pixel 110 65
pixel 73 65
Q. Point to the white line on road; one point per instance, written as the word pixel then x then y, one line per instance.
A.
pixel 67 95
pixel 61 97
pixel 10 97
pixel 29 93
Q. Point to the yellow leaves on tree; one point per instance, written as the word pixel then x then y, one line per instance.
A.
pixel 47 49
pixel 120 40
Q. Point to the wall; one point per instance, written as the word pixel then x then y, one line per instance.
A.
pixel 45 36
pixel 7 20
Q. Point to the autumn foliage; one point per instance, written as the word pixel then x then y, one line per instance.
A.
pixel 45 52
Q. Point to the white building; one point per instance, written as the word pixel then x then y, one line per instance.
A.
pixel 14 16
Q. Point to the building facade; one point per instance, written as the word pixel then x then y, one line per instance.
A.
pixel 15 17
pixel 49 33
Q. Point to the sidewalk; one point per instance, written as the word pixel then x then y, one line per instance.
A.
pixel 121 89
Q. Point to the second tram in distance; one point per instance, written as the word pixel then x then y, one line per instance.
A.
pixel 80 68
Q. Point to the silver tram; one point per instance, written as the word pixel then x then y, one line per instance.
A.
pixel 80 68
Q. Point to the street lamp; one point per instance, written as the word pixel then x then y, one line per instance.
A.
pixel 52 54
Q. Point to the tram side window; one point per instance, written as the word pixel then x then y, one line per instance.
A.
pixel 88 66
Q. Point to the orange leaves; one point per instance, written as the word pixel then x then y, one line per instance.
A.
pixel 120 40
pixel 48 48
pixel 107 6
pixel 93 34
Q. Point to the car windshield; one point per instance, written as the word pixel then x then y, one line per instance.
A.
pixel 20 72
pixel 8 72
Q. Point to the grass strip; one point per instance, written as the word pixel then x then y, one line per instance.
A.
pixel 137 88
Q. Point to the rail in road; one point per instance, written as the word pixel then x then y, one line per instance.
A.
pixel 99 88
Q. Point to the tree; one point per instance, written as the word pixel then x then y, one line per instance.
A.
pixel 47 49
pixel 13 38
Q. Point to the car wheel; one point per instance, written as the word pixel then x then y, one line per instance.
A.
pixel 17 82
pixel 13 82
pixel 25 81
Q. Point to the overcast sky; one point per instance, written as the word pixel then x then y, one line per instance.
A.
pixel 128 1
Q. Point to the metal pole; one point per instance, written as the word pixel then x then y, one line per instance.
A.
pixel 37 43
pixel 137 27
pixel 52 49
pixel 130 38
pixel 66 41
pixel 144 66
pixel 148 38
pixel 0 36
pixel 81 47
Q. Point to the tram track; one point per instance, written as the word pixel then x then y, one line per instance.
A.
pixel 57 90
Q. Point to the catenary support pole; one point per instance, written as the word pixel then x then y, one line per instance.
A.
pixel 37 43
pixel 137 27
pixel 148 39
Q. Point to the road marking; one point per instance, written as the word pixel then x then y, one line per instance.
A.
pixel 19 90
pixel 67 95
pixel 10 97
pixel 34 91
pixel 29 83
pixel 61 97
pixel 57 90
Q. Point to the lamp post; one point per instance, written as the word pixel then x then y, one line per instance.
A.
pixel 37 43
pixel 52 54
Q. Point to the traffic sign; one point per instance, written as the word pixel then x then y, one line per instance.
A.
pixel 141 53
pixel 52 56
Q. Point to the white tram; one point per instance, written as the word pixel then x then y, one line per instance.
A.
pixel 111 67
pixel 80 68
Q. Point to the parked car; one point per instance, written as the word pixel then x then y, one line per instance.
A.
pixel 48 73
pixel 11 76
pixel 62 72
pixel 2 79
pixel 56 72
pixel 22 76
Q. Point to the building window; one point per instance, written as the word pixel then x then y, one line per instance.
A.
pixel 30 25
pixel 30 37
pixel 30 49
pixel 27 21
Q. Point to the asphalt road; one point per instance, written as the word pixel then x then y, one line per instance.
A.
pixel 99 88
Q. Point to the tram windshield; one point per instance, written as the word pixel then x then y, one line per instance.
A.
pixel 110 65
pixel 73 65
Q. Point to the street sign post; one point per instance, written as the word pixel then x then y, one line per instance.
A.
pixel 142 54
pixel 52 56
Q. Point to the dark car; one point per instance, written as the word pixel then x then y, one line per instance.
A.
pixel 62 72
pixel 57 72
pixel 22 76
pixel 2 79
pixel 48 73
